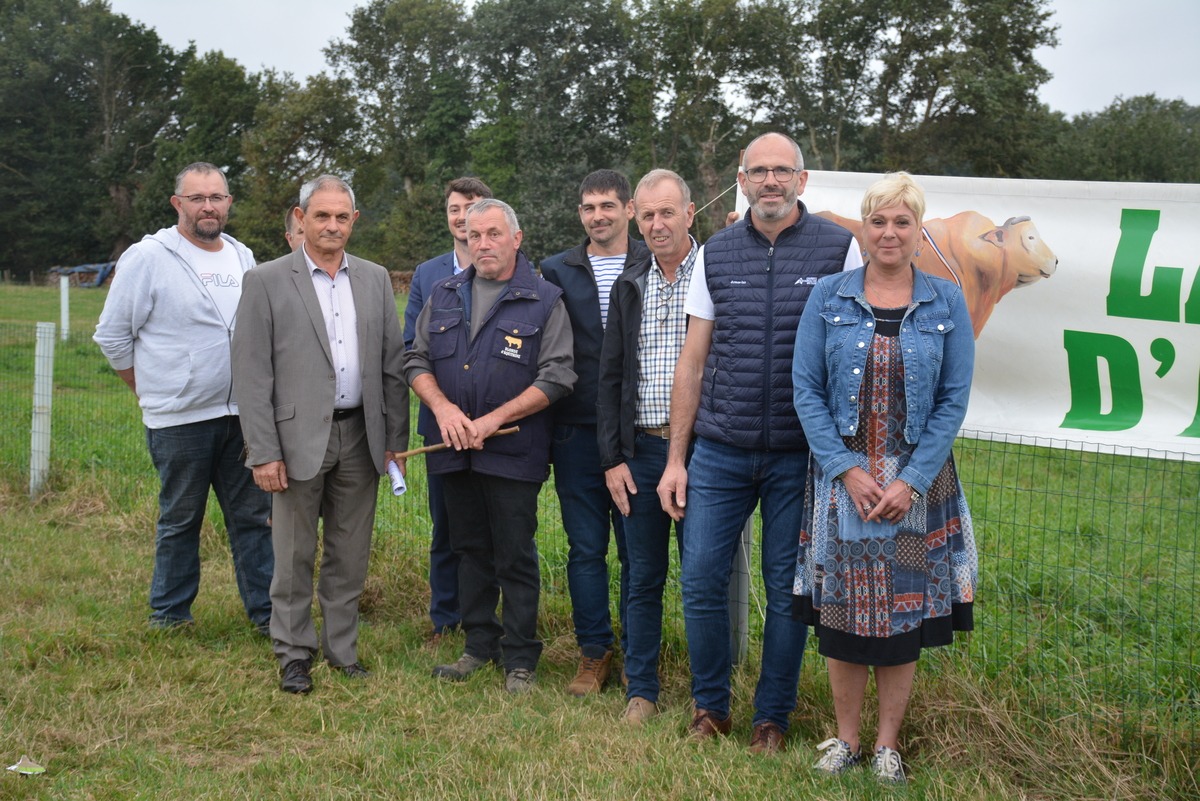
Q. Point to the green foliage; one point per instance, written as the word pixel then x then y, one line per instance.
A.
pixel 97 115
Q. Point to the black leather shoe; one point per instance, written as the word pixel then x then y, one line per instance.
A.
pixel 296 678
pixel 355 671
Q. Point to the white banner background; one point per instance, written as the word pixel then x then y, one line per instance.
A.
pixel 1022 387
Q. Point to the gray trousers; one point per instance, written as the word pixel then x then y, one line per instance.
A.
pixel 344 492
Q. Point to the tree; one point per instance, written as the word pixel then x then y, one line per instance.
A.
pixel 298 133
pixel 84 94
pixel 551 78
pixel 215 110
pixel 1142 138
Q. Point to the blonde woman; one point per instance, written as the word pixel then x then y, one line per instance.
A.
pixel 887 563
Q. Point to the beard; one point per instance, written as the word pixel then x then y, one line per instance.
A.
pixel 206 229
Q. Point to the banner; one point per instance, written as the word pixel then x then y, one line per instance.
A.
pixel 1085 298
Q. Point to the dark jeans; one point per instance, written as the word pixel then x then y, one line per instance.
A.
pixel 443 563
pixel 648 541
pixel 191 458
pixel 492 525
pixel 587 513
pixel 725 483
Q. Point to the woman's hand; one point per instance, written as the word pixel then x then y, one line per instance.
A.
pixel 894 503
pixel 863 490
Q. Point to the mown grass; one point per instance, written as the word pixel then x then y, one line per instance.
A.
pixel 1081 681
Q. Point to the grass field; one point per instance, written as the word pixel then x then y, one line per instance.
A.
pixel 1082 680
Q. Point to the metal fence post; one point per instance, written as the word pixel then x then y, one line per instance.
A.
pixel 739 595
pixel 43 394
pixel 64 302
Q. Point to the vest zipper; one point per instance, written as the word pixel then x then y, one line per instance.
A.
pixel 768 345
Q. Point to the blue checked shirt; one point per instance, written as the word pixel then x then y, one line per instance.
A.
pixel 664 325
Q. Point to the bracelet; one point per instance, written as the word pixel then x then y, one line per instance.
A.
pixel 914 496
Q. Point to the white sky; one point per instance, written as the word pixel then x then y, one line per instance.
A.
pixel 1106 47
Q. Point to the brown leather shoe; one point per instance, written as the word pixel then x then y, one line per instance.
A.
pixel 705 724
pixel 767 738
pixel 592 673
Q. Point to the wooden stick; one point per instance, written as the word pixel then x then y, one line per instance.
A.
pixel 441 446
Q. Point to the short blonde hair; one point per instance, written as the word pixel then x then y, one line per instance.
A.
pixel 894 189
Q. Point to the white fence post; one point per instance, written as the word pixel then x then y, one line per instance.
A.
pixel 64 302
pixel 739 595
pixel 43 394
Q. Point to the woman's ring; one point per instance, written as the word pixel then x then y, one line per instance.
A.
pixel 867 507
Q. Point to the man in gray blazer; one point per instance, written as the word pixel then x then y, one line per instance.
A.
pixel 317 359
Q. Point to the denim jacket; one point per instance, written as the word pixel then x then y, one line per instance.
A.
pixel 833 342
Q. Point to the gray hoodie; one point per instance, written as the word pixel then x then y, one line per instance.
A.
pixel 160 320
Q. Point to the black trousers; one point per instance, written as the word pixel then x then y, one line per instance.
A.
pixel 492 525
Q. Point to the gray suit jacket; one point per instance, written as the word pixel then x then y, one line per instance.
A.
pixel 283 367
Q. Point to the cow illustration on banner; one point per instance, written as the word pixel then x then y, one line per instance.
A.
pixel 986 260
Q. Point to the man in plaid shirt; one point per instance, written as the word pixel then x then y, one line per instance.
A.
pixel 645 332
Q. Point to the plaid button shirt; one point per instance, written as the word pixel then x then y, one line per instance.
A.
pixel 664 325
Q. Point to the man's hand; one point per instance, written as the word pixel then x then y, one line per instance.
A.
pixel 672 490
pixel 401 461
pixel 620 486
pixel 458 430
pixel 271 477
pixel 484 427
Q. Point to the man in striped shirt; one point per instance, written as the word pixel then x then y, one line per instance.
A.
pixel 586 274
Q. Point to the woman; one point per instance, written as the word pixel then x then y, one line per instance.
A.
pixel 887 565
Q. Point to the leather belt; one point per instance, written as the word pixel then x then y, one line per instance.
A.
pixel 342 414
pixel 662 432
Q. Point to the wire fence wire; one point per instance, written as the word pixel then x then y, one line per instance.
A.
pixel 1089 579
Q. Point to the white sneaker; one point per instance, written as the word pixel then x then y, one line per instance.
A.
pixel 837 757
pixel 887 766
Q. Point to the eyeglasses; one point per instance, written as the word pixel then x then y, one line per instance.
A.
pixel 665 293
pixel 759 174
pixel 200 200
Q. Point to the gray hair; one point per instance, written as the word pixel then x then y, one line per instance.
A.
pixel 202 167
pixel 656 176
pixel 324 182
pixel 489 203
pixel 791 141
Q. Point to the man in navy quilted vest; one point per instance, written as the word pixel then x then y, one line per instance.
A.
pixel 733 390
pixel 493 347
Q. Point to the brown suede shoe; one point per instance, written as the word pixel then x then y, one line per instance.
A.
pixel 705 724
pixel 639 710
pixel 592 673
pixel 767 738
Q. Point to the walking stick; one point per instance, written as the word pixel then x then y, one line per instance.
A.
pixel 441 446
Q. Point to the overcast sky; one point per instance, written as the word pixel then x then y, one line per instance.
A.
pixel 1106 48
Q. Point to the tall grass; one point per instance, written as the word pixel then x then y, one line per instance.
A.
pixel 1081 680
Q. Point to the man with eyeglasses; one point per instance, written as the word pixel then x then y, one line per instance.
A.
pixel 586 274
pixel 645 332
pixel 165 329
pixel 733 389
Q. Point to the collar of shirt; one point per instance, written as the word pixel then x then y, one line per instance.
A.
pixel 312 265
pixel 458 268
pixel 684 267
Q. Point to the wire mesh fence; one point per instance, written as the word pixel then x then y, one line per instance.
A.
pixel 1089 569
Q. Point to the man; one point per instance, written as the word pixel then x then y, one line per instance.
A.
pixel 586 275
pixel 292 231
pixel 461 194
pixel 733 386
pixel 646 327
pixel 317 367
pixel 165 329
pixel 493 348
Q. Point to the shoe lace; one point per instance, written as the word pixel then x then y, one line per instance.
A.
pixel 520 674
pixel 888 763
pixel 590 665
pixel 837 754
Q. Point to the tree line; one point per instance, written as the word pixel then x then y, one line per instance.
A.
pixel 97 114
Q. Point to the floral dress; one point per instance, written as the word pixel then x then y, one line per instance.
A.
pixel 878 592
